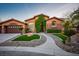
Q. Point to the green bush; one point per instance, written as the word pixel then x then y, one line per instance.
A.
pixel 40 22
pixel 27 38
pixel 69 32
pixel 53 31
pixel 63 37
pixel 35 36
pixel 27 30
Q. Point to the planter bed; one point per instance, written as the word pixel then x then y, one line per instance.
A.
pixel 31 43
pixel 65 47
pixel 63 37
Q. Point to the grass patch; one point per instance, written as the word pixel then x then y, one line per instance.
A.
pixel 63 37
pixel 27 38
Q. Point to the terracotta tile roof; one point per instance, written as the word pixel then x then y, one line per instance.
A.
pixel 11 20
pixel 30 19
pixel 36 16
pixel 55 18
pixel 41 14
pixel 0 22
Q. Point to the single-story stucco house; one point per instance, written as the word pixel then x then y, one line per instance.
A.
pixel 49 21
pixel 13 25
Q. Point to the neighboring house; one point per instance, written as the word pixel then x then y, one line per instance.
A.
pixel 13 25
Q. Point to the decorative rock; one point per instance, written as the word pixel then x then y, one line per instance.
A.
pixel 75 39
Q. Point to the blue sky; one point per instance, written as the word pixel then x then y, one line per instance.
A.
pixel 28 10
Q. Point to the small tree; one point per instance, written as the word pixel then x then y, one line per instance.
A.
pixel 40 23
pixel 75 17
pixel 71 23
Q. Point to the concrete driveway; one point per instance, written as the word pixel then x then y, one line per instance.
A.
pixel 4 37
pixel 48 48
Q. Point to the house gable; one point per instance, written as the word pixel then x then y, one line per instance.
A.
pixel 12 21
pixel 41 14
pixel 57 21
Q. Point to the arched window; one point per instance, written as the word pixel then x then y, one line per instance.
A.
pixel 53 23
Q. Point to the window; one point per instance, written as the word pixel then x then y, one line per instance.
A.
pixel 53 23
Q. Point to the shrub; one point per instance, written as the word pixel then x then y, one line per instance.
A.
pixel 53 31
pixel 27 38
pixel 27 30
pixel 69 32
pixel 35 36
pixel 63 37
pixel 22 38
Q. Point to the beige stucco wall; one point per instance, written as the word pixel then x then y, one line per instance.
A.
pixel 33 23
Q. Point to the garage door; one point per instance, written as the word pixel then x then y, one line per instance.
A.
pixel 13 29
